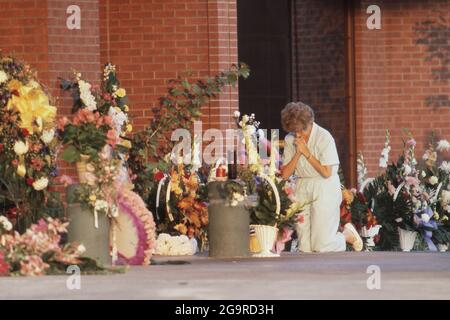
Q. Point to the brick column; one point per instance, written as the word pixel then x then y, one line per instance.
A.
pixel 223 51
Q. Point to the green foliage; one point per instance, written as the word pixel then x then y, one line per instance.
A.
pixel 84 139
pixel 265 212
pixel 179 108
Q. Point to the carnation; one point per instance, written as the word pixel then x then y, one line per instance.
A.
pixel 443 145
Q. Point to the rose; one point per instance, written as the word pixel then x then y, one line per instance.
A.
pixel 20 148
pixel 159 176
pixel 25 132
pixel 121 93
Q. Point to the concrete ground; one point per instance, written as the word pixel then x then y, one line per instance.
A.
pixel 415 275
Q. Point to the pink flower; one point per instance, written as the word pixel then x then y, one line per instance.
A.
pixel 412 181
pixel 391 188
pixel 289 191
pixel 66 180
pixel 33 266
pixel 106 96
pixel 300 218
pixel 411 143
pixel 62 122
pixel 286 235
pixel 107 120
pixel 111 137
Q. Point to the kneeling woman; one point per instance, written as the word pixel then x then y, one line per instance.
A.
pixel 310 153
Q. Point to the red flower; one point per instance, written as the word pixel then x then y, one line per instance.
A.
pixel 4 266
pixel 15 162
pixel 1 147
pixel 25 132
pixel 30 181
pixel 158 176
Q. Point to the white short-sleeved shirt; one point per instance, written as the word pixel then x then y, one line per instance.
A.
pixel 321 145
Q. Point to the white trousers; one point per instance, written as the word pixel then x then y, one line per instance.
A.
pixel 319 230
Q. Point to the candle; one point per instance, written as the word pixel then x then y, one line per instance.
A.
pixel 273 154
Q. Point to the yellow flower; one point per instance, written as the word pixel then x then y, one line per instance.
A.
pixel 121 93
pixel 348 197
pixel 126 144
pixel 126 108
pixel 33 105
pixel 92 197
pixel 181 228
pixel 118 110
pixel 21 170
pixel 129 128
pixel 14 85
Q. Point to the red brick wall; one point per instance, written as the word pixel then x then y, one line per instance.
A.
pixel 153 41
pixel 23 32
pixel 150 41
pixel 36 32
pixel 319 66
pixel 399 83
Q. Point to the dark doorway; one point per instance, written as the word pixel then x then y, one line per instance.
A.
pixel 264 39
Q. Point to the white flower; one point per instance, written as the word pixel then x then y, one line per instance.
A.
pixel 443 145
pixel 81 249
pixel 47 136
pixel 425 218
pixel 20 148
pixel 40 184
pixel 407 169
pixel 86 96
pixel 3 76
pixel 433 180
pixel 237 114
pixel 423 174
pixel 118 119
pixel 445 166
pixel 6 224
pixel 101 205
pixel 398 220
pixel 383 163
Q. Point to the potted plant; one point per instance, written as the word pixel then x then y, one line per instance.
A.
pixel 275 214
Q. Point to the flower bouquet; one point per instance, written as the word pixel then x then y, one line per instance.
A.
pixel 38 251
pixel 185 209
pixel 27 144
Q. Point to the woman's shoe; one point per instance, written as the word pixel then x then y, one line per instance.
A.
pixel 358 243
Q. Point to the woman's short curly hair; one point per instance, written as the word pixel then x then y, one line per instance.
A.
pixel 296 116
